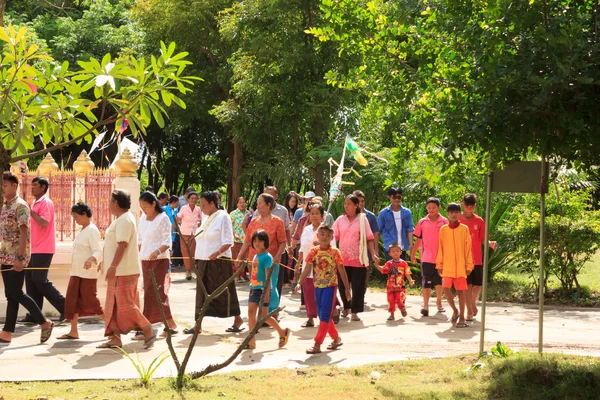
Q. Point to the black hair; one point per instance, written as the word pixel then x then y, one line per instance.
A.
pixel 394 245
pixel 9 176
pixel 470 199
pixel 43 182
pixel 453 207
pixel 288 198
pixel 163 195
pixel 359 193
pixel 319 207
pixel 173 199
pixel 239 198
pixel 433 200
pixel 150 198
pixel 150 188
pixel 354 200
pixel 192 193
pixel 262 236
pixel 122 197
pixel 81 209
pixel 190 189
pixel 325 227
pixel 210 197
pixel 394 190
pixel 269 200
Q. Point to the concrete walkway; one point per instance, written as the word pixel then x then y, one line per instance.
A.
pixel 371 340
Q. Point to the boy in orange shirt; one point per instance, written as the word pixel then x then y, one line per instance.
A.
pixel 455 262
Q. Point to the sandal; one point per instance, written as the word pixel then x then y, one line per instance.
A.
pixel 139 335
pixel 313 350
pixel 235 329
pixel 150 342
pixel 335 345
pixel 108 345
pixel 424 312
pixel 67 337
pixel 345 313
pixel 190 331
pixel 46 333
pixel 308 324
pixel 284 339
pixel 441 309
pixel 462 325
pixel 391 318
pixel 171 331
pixel 404 313
pixel 454 319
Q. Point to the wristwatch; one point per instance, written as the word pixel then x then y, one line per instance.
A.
pixel 21 258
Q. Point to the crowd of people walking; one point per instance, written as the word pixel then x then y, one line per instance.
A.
pixel 328 262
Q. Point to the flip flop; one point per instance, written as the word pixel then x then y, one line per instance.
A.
pixel 108 346
pixel 345 313
pixel 150 342
pixel 454 319
pixel 391 318
pixel 284 339
pixel 67 337
pixel 404 313
pixel 308 325
pixel 171 331
pixel 462 325
pixel 313 350
pixel 424 312
pixel 334 345
pixel 46 333
pixel 235 329
pixel 190 331
pixel 441 309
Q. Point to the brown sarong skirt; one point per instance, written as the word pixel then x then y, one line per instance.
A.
pixel 213 274
pixel 151 310
pixel 81 298
pixel 122 309
pixel 191 240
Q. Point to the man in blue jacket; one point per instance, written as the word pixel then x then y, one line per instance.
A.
pixel 396 224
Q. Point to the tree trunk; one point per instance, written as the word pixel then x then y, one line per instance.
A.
pixel 319 180
pixel 236 161
pixel 2 7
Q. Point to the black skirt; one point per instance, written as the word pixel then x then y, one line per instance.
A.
pixel 213 274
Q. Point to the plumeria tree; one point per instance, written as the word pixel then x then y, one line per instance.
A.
pixel 46 104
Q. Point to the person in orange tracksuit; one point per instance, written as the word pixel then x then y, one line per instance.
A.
pixel 455 262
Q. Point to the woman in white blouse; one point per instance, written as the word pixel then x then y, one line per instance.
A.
pixel 81 299
pixel 154 241
pixel 213 263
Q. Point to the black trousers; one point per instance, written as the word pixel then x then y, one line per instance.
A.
pixel 282 272
pixel 13 290
pixel 357 277
pixel 38 285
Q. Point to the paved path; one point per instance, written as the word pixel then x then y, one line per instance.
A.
pixel 371 340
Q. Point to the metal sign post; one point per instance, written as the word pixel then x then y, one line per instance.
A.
pixel 486 257
pixel 542 255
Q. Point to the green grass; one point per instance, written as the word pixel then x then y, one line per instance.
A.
pixel 521 376
pixel 590 275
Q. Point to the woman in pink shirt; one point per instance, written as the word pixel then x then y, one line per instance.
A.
pixel 189 219
pixel 347 231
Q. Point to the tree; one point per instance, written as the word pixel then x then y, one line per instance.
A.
pixel 43 101
pixel 500 78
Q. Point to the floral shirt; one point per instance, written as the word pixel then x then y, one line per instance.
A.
pixel 237 217
pixel 396 272
pixel 325 264
pixel 15 213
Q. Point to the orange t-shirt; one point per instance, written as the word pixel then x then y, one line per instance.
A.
pixel 274 228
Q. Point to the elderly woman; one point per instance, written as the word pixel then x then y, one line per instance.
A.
pixel 354 237
pixel 122 313
pixel 213 263
pixel 238 217
pixel 81 299
pixel 189 217
pixel 154 241
pixel 264 220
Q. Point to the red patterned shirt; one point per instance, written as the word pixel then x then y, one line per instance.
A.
pixel 325 263
pixel 396 272
pixel 15 213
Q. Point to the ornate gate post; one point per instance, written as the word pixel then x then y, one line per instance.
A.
pixel 126 167
pixel 83 166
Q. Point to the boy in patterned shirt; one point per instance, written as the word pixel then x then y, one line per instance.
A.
pixel 326 263
pixel 397 270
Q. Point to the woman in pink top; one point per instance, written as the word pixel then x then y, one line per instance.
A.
pixel 189 219
pixel 347 231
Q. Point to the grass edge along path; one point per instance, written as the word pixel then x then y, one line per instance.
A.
pixel 522 375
